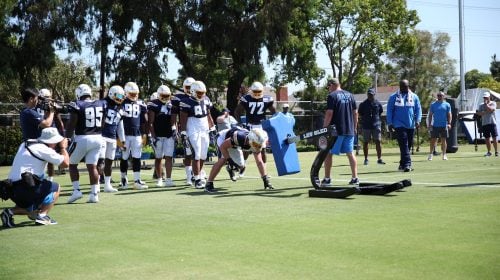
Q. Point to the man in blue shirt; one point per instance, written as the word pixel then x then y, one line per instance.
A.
pixel 31 121
pixel 440 123
pixel 342 112
pixel 404 114
pixel 370 111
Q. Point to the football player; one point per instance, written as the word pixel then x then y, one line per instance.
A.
pixel 196 123
pixel 135 122
pixel 255 104
pixel 85 125
pixel 111 128
pixel 162 133
pixel 176 100
pixel 231 142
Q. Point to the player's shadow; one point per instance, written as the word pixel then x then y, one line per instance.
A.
pixel 224 192
pixel 150 190
pixel 467 185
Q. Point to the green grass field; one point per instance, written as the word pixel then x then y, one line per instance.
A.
pixel 445 226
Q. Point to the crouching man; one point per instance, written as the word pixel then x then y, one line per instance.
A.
pixel 231 142
pixel 30 191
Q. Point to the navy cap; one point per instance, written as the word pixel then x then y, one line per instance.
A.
pixel 371 91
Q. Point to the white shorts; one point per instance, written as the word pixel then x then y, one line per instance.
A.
pixel 109 148
pixel 236 154
pixel 164 147
pixel 199 143
pixel 133 146
pixel 88 146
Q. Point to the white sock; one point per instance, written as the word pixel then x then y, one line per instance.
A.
pixel 189 169
pixel 107 180
pixel 137 176
pixel 94 189
pixel 76 185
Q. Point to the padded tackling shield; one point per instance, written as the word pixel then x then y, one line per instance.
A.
pixel 279 128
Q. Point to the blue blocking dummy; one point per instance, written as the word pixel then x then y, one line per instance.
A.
pixel 278 129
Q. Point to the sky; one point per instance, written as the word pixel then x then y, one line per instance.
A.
pixel 481 30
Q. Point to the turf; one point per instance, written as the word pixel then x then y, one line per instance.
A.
pixel 445 226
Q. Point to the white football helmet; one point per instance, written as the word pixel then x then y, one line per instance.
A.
pixel 117 94
pixel 164 93
pixel 45 93
pixel 83 90
pixel 257 139
pixel 187 85
pixel 153 96
pixel 131 90
pixel 257 90
pixel 198 90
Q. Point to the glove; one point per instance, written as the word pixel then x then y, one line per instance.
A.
pixel 153 141
pixel 183 135
pixel 144 139
pixel 120 144
pixel 174 131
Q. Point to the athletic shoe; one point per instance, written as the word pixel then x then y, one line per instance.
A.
pixel 169 182
pixel 354 181
pixel 109 189
pixel 242 172
pixel 496 154
pixel 401 168
pixel 189 180
pixel 140 185
pixel 435 153
pixel 326 182
pixel 160 183
pixel 7 218
pixel 203 175
pixel 488 154
pixel 209 187
pixel 366 162
pixel 101 179
pixel 231 173
pixel 380 161
pixel 199 184
pixel 124 184
pixel 93 198
pixel 429 157
pixel 267 184
pixel 445 157
pixel 77 194
pixel 45 220
pixel 408 169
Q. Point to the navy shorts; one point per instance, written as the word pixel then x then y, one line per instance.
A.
pixel 31 198
pixel 490 130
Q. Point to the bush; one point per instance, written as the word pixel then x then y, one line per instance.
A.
pixel 12 138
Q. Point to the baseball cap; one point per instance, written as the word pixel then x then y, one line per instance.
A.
pixel 286 105
pixel 371 91
pixel 486 94
pixel 226 110
pixel 50 135
pixel 441 93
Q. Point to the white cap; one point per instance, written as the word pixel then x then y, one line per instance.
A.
pixel 486 94
pixel 50 135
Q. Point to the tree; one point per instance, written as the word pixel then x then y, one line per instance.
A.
pixel 495 68
pixel 358 33
pixel 490 83
pixel 472 80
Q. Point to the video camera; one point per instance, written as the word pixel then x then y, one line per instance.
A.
pixel 49 104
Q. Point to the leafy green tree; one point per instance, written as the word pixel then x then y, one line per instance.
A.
pixel 472 80
pixel 495 68
pixel 490 83
pixel 358 33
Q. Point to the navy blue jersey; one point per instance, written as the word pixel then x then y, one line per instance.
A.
pixel 134 117
pixel 112 117
pixel 255 108
pixel 196 108
pixel 343 105
pixel 370 112
pixel 238 137
pixel 90 115
pixel 176 100
pixel 162 123
pixel 30 120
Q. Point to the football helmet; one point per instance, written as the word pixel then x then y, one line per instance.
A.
pixel 131 90
pixel 117 94
pixel 186 85
pixel 164 93
pixel 83 90
pixel 257 139
pixel 257 90
pixel 45 93
pixel 153 96
pixel 198 90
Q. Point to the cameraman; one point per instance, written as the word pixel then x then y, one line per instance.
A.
pixel 33 195
pixel 44 106
pixel 31 121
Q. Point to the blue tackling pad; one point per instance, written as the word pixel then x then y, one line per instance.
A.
pixel 279 128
